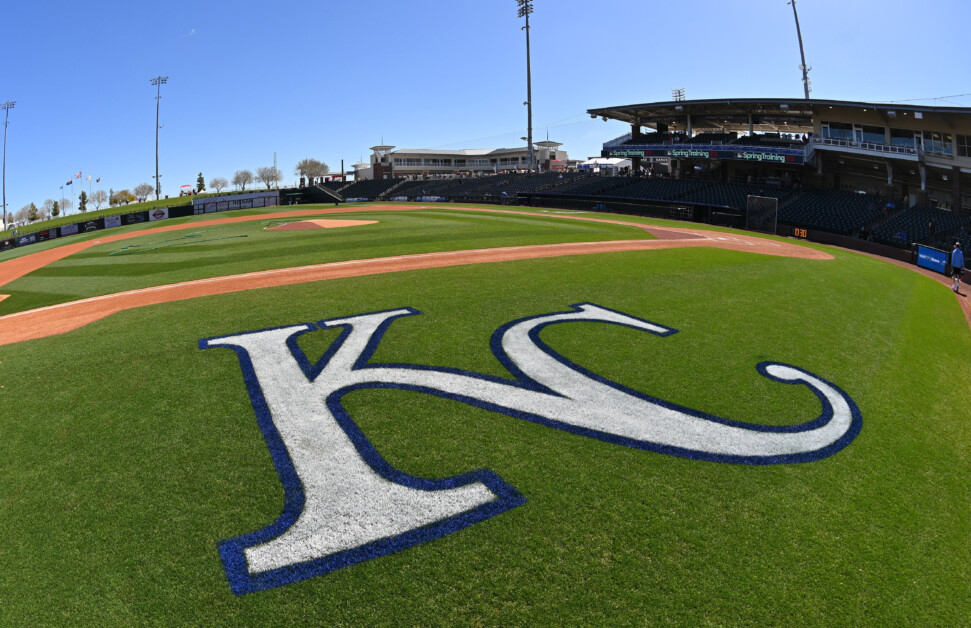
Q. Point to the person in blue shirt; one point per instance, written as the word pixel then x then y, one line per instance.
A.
pixel 957 266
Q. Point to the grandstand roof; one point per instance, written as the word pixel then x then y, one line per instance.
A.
pixel 470 152
pixel 768 114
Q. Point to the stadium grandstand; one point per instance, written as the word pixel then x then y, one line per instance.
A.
pixel 892 174
pixel 877 177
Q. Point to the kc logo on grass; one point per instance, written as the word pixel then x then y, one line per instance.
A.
pixel 345 504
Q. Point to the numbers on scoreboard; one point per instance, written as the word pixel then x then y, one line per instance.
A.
pixel 800 233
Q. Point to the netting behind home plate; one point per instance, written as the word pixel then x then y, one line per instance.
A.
pixel 761 213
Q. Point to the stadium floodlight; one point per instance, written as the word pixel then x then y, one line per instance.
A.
pixel 6 106
pixel 677 95
pixel 525 8
pixel 158 81
pixel 802 55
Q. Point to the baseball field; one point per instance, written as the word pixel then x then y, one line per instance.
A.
pixel 412 415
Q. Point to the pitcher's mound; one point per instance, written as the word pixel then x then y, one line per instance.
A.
pixel 320 224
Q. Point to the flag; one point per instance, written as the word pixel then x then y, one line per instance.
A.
pixel 98 180
pixel 89 177
pixel 69 182
pixel 78 175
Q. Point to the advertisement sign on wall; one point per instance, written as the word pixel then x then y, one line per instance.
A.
pixel 112 221
pixel 158 214
pixel 696 153
pixel 69 230
pixel 932 259
pixel 135 218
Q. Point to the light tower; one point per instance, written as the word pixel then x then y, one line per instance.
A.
pixel 7 106
pixel 158 81
pixel 525 8
pixel 802 55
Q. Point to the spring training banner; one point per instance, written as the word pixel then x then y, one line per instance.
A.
pixel 703 153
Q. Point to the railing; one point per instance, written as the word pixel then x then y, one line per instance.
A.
pixel 618 140
pixel 868 146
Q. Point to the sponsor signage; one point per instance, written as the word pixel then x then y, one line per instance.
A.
pixel 69 229
pixel 6 244
pixel 135 218
pixel 46 234
pixel 399 199
pixel 112 221
pixel 91 225
pixel 27 239
pixel 228 202
pixel 158 214
pixel 356 200
pixel 932 259
pixel 431 199
pixel 703 153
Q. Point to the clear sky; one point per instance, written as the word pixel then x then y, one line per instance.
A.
pixel 329 79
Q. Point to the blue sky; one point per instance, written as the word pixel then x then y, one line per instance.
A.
pixel 330 79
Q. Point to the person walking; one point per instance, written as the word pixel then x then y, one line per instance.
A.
pixel 957 266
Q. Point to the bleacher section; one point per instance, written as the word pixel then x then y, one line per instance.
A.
pixel 831 210
pixel 369 189
pixel 727 195
pixel 506 185
pixel 769 140
pixel 712 138
pixel 914 225
pixel 657 189
pixel 334 185
pixel 589 186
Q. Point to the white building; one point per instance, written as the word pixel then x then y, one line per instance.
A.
pixel 387 163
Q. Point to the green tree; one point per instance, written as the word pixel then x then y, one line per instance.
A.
pixel 83 202
pixel 111 197
pixel 55 210
pixel 32 213
pixel 200 183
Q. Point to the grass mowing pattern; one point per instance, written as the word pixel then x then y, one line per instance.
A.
pixel 95 272
pixel 130 453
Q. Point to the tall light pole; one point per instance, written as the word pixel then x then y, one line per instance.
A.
pixel 158 81
pixel 7 106
pixel 805 69
pixel 525 8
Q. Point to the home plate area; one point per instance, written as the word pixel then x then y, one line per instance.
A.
pixel 301 225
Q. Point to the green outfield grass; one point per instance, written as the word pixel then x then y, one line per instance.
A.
pixel 127 453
